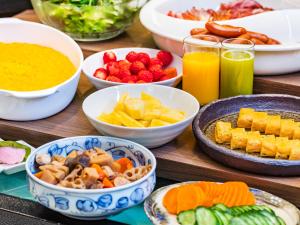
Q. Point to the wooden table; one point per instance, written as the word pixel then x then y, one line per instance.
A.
pixel 181 159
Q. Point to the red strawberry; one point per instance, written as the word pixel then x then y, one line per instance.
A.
pixel 113 79
pixel 132 56
pixel 107 65
pixel 124 64
pixel 144 58
pixel 113 69
pixel 165 57
pixel 140 82
pixel 165 77
pixel 136 67
pixel 170 72
pixel 129 79
pixel 109 57
pixel 155 61
pixel 146 76
pixel 100 73
pixel 124 73
pixel 157 72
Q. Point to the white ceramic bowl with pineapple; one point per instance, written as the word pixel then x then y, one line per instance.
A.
pixel 105 100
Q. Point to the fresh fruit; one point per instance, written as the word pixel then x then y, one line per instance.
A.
pixel 157 72
pixel 109 57
pixel 136 67
pixel 124 64
pixel 132 56
pixel 146 76
pixel 165 57
pixel 113 69
pixel 146 111
pixel 100 73
pixel 155 61
pixel 144 58
pixel 113 79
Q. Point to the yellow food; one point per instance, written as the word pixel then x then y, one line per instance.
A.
pixel 223 132
pixel 30 67
pixel 146 111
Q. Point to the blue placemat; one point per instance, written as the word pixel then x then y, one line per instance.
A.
pixel 16 185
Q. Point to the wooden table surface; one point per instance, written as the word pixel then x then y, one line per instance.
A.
pixel 181 159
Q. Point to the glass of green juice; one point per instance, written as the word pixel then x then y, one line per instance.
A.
pixel 237 67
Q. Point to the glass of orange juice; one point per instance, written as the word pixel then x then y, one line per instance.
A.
pixel 201 63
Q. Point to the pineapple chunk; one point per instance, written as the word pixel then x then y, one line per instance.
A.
pixel 147 97
pixel 158 123
pixel 109 118
pixel 152 114
pixel 134 107
pixel 146 123
pixel 120 104
pixel 172 116
pixel 127 120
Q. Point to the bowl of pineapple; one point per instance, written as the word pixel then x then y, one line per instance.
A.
pixel 151 115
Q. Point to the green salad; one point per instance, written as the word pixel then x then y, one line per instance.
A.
pixel 89 17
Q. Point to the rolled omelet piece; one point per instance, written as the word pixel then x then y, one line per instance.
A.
pixel 273 125
pixel 283 148
pixel 295 150
pixel 287 128
pixel 259 122
pixel 238 138
pixel 296 134
pixel 223 132
pixel 245 117
pixel 253 142
pixel 268 146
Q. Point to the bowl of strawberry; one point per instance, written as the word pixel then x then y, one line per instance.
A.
pixel 133 66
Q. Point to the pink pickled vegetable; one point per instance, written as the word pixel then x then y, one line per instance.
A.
pixel 10 155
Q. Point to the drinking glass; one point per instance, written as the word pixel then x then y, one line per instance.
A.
pixel 237 67
pixel 201 63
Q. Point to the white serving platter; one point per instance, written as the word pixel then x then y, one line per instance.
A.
pixel 11 169
pixel 281 24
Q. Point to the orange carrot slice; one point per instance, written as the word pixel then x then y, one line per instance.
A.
pixel 100 171
pixel 107 183
pixel 170 200
pixel 125 164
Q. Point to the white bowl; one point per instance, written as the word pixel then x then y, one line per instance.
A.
pixel 169 33
pixel 95 61
pixel 103 101
pixel 33 105
pixel 92 204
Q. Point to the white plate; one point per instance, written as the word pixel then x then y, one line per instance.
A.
pixel 11 169
pixel 283 25
pixel 158 214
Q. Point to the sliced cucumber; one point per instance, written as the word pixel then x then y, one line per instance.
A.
pixel 187 217
pixel 264 207
pixel 247 219
pixel 281 221
pixel 221 216
pixel 221 207
pixel 257 218
pixel 271 218
pixel 205 216
pixel 237 221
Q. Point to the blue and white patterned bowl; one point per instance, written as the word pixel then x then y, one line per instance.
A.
pixel 95 203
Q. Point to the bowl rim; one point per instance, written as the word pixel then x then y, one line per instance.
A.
pixel 200 136
pixel 38 93
pixel 90 191
pixel 90 76
pixel 149 129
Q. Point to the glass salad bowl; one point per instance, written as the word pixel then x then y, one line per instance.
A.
pixel 88 20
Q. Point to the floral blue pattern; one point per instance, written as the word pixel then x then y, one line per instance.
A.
pixel 105 201
pixel 86 205
pixel 122 203
pixel 93 204
pixel 137 195
pixel 61 203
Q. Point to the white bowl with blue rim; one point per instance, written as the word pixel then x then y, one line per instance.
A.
pixel 92 204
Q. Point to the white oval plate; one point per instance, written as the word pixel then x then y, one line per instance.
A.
pixel 169 33
pixel 158 214
pixel 11 169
